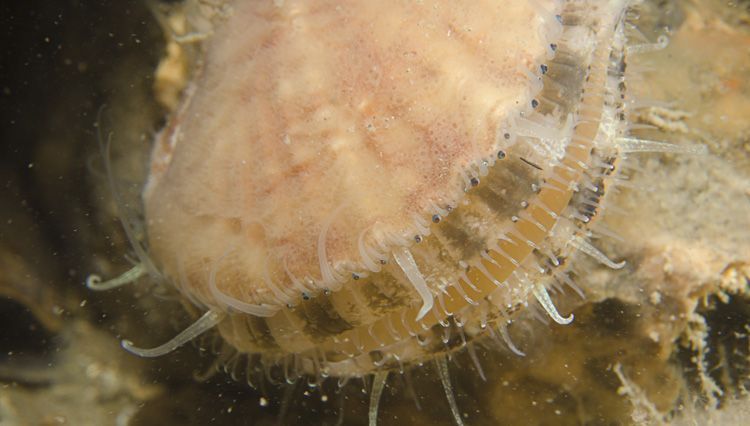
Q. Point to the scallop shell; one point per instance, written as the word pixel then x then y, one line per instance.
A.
pixel 348 187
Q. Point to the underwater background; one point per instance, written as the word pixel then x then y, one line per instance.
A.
pixel 664 341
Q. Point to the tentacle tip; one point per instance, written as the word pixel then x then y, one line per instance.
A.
pixel 565 320
pixel 93 281
pixel 130 347
pixel 619 265
pixel 423 311
pixel 140 352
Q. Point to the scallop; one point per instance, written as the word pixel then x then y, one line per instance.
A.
pixel 351 187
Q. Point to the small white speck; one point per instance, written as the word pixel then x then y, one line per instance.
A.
pixel 263 402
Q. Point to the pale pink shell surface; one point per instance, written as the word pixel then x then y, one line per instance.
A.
pixel 315 129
